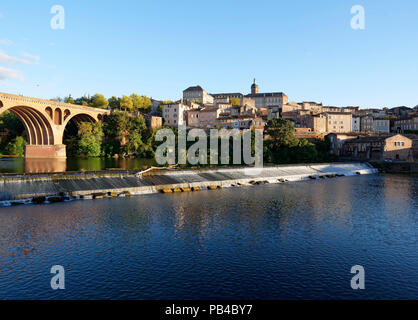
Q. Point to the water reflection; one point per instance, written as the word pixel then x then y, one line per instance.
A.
pixel 22 165
pixel 45 165
pixel 292 240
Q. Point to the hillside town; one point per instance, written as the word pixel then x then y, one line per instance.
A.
pixel 353 132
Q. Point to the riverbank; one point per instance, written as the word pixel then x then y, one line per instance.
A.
pixel 23 189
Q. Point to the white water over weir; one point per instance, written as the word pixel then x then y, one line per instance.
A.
pixel 62 187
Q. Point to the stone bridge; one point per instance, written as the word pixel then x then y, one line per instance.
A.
pixel 45 121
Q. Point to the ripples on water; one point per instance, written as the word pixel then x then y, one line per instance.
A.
pixel 294 240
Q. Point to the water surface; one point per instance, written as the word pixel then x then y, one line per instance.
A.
pixel 22 165
pixel 284 241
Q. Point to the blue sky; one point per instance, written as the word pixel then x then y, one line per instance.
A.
pixel 305 49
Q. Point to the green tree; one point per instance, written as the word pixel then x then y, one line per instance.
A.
pixel 90 138
pixel 69 99
pixel 281 132
pixel 83 101
pixel 16 147
pixel 235 101
pixel 126 103
pixel 114 103
pixel 141 103
pixel 99 101
pixel 10 127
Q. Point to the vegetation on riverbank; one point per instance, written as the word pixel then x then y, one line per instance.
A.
pixel 12 135
pixel 122 135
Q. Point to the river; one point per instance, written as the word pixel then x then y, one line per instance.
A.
pixel 21 165
pixel 296 240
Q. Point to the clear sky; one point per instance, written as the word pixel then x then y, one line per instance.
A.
pixel 306 49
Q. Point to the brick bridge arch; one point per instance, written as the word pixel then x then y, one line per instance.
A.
pixel 45 121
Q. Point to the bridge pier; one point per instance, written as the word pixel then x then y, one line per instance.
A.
pixel 44 151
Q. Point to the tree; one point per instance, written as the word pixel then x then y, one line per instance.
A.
pixel 69 99
pixel 10 127
pixel 90 138
pixel 141 103
pixel 235 101
pixel 83 101
pixel 9 121
pixel 114 103
pixel 126 103
pixel 281 132
pixel 16 147
pixel 99 101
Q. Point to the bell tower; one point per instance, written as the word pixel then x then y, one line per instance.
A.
pixel 254 88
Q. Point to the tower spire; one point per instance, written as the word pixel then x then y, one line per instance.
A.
pixel 254 87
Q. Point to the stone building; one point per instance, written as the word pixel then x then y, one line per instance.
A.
pixel 394 148
pixel 197 94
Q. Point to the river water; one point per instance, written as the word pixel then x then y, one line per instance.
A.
pixel 21 165
pixel 296 240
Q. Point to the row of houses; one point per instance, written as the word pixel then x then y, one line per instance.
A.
pixel 201 109
pixel 384 147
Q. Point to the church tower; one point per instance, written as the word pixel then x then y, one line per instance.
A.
pixel 254 88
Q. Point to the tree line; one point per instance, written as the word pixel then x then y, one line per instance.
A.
pixel 133 102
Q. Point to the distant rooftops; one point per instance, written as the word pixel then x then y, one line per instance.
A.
pixel 194 88
pixel 266 94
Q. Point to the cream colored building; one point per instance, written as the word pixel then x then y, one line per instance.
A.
pixel 338 122
pixel 174 114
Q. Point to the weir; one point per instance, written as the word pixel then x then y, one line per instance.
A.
pixel 15 187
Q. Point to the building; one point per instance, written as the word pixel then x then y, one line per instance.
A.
pixel 193 118
pixel 224 107
pixel 393 148
pixel 409 123
pixel 268 99
pixel 241 122
pixel 337 141
pixel 381 125
pixel 366 123
pixel 356 124
pixel 317 123
pixel 197 94
pixel 208 117
pixel 338 122
pixel 174 114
